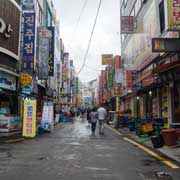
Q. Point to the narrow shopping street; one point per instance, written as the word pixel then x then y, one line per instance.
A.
pixel 71 152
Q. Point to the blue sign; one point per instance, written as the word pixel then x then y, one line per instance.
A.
pixel 51 52
pixel 26 89
pixel 28 41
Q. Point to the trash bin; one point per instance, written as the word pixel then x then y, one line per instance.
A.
pixel 169 136
pixel 157 141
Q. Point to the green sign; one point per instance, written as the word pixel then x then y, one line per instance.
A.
pixel 110 78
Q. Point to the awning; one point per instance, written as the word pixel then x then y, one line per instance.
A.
pixel 166 67
pixel 9 72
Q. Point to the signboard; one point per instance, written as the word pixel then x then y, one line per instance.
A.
pixel 29 118
pixel 110 78
pixel 51 52
pixel 47 117
pixel 165 45
pixel 127 24
pixel 28 5
pixel 129 80
pixel 107 59
pixel 44 36
pixel 25 79
pixel 173 13
pixel 27 89
pixel 137 53
pixel 28 41
pixel 7 81
pixel 117 90
pixel 117 104
pixel 9 28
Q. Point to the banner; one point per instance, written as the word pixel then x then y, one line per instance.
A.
pixel 43 53
pixel 173 11
pixel 28 41
pixel 29 118
pixel 47 117
pixel 110 78
pixel 51 52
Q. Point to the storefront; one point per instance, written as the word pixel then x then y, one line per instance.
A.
pixel 9 112
pixel 9 66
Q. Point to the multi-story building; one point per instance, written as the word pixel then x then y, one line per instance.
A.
pixel 10 25
pixel 151 77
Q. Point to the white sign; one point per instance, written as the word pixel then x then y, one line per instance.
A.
pixel 47 117
pixel 7 81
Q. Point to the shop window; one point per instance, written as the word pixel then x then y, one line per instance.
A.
pixel 162 16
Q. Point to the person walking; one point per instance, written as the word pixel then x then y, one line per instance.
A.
pixel 101 117
pixel 94 117
pixel 89 110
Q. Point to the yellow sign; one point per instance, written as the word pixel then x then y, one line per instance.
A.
pixel 26 79
pixel 107 59
pixel 29 118
pixel 173 14
pixel 117 104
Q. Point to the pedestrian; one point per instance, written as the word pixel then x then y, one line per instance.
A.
pixel 72 112
pixel 83 114
pixel 94 117
pixel 101 117
pixel 88 116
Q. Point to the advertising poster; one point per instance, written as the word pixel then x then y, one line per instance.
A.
pixel 28 41
pixel 47 117
pixel 29 118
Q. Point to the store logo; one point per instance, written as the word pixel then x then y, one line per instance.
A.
pixel 5 29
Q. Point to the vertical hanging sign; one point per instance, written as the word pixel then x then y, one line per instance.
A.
pixel 173 12
pixel 29 118
pixel 51 52
pixel 28 41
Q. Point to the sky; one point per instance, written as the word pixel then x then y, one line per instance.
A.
pixel 75 32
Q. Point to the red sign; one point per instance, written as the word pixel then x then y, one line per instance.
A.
pixel 129 82
pixel 117 60
pixel 148 81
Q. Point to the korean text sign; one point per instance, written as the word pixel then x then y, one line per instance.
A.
pixel 51 51
pixel 174 14
pixel 28 41
pixel 29 118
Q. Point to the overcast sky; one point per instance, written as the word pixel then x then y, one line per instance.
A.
pixel 75 34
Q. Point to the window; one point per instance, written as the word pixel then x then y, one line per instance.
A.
pixel 162 16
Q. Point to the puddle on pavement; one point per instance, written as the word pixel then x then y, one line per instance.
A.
pixel 75 144
pixel 96 168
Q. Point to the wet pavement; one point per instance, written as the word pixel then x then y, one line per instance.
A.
pixel 71 152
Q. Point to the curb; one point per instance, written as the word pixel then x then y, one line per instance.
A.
pixel 174 164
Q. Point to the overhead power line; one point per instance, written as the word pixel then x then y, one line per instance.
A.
pixel 89 42
pixel 79 18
